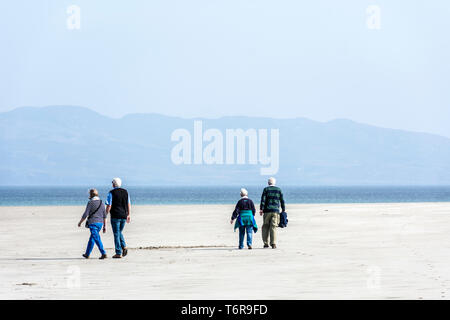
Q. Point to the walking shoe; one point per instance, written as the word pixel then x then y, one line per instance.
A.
pixel 266 246
pixel 274 246
pixel 124 252
pixel 103 257
pixel 117 256
pixel 249 247
pixel 85 255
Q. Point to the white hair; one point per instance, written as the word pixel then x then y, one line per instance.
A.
pixel 117 182
pixel 272 181
pixel 244 192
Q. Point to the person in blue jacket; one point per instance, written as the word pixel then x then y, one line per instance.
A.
pixel 244 214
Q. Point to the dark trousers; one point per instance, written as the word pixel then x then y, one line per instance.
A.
pixel 242 231
pixel 117 228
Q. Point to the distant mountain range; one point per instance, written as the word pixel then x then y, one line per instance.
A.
pixel 64 145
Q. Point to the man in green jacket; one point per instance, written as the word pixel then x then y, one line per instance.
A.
pixel 271 200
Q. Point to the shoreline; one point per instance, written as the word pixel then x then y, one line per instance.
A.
pixel 230 203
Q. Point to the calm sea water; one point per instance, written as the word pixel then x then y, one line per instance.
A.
pixel 39 196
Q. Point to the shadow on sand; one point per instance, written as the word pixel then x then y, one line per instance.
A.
pixel 40 259
pixel 228 248
pixel 201 247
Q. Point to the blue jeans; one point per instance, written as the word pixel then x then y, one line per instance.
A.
pixel 117 227
pixel 95 238
pixel 242 230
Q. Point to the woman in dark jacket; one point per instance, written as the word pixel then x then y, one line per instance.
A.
pixel 95 214
pixel 244 214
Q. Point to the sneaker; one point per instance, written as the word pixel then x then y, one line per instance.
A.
pixel 124 252
pixel 103 257
pixel 266 246
pixel 85 255
pixel 274 246
pixel 117 256
pixel 249 247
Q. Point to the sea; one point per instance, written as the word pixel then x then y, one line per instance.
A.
pixel 141 195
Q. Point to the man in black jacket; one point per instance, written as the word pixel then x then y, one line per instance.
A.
pixel 119 205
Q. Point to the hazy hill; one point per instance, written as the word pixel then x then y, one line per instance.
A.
pixel 63 145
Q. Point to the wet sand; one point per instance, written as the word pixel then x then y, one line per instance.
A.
pixel 328 251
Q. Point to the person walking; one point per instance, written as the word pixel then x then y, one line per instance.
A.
pixel 271 201
pixel 119 205
pixel 95 214
pixel 244 213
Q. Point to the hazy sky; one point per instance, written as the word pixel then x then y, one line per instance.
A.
pixel 208 58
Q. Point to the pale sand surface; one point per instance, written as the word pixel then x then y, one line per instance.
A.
pixel 329 251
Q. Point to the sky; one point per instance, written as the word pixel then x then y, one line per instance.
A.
pixel 211 58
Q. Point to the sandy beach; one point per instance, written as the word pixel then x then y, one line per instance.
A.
pixel 328 251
